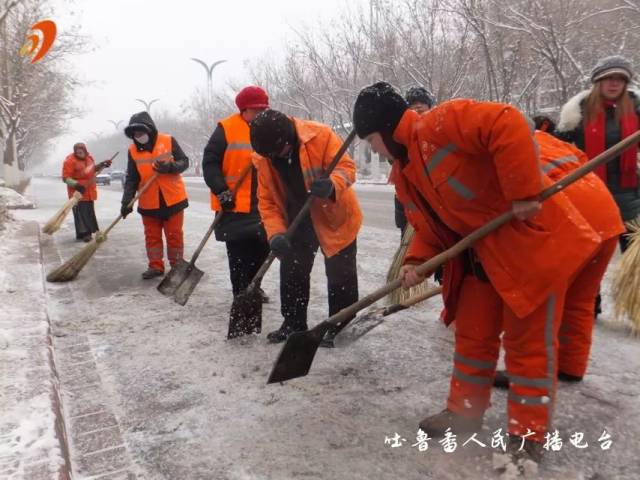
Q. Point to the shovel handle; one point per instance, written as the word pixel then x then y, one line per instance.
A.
pixel 257 278
pixel 434 262
pixel 218 217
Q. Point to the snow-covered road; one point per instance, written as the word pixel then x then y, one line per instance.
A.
pixel 187 404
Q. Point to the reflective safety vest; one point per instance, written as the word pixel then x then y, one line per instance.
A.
pixel 170 184
pixel 236 158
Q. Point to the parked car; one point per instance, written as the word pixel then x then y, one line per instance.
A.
pixel 117 175
pixel 103 179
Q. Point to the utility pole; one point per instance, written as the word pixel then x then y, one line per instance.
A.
pixel 209 72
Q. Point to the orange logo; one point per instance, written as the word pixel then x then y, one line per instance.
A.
pixel 39 40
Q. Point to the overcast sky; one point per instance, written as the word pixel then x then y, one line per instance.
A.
pixel 142 49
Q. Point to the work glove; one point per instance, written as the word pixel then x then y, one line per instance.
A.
pixel 322 188
pixel 163 167
pixel 280 245
pixel 125 210
pixel 226 200
pixel 104 164
pixel 80 188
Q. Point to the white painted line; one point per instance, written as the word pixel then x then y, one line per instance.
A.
pixel 98 430
pixel 102 450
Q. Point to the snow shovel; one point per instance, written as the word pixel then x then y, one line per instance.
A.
pixel 184 276
pixel 246 309
pixel 366 322
pixel 297 354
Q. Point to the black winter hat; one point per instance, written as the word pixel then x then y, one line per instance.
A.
pixel 420 94
pixel 378 108
pixel 270 131
pixel 614 65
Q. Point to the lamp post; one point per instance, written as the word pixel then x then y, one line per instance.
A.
pixel 147 105
pixel 116 125
pixel 209 70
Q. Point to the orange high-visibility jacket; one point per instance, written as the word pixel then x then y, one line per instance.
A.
pixel 236 157
pixel 84 172
pixel 589 195
pixel 470 160
pixel 336 223
pixel 170 184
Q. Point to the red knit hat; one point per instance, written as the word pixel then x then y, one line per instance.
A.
pixel 252 97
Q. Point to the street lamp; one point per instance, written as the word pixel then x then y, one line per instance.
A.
pixel 147 105
pixel 115 124
pixel 209 70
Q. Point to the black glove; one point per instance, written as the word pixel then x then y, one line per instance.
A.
pixel 79 188
pixel 280 245
pixel 104 164
pixel 322 188
pixel 226 200
pixel 125 210
pixel 438 275
pixel 163 167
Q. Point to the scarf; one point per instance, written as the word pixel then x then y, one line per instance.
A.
pixel 594 142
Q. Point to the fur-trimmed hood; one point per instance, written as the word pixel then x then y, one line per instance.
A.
pixel 571 112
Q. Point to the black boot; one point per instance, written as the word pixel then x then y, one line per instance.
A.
pixel 565 377
pixel 522 460
pixel 436 425
pixel 501 380
pixel 263 296
pixel 287 328
pixel 151 273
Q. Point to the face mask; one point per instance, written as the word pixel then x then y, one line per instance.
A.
pixel 142 139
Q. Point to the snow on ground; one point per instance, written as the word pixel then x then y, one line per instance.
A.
pixel 190 404
pixel 29 442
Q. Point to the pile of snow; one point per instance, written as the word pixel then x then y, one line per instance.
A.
pixel 12 200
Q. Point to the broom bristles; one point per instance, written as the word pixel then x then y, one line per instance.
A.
pixel 54 224
pixel 626 285
pixel 70 269
pixel 401 294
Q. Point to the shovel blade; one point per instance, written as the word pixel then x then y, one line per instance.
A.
pixel 246 314
pixel 183 292
pixel 174 278
pixel 297 354
pixel 360 326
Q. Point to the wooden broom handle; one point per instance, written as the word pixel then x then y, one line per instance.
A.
pixel 434 262
pixel 411 301
pixel 133 200
pixel 218 217
pixel 302 213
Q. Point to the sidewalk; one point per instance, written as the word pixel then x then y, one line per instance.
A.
pixel 32 433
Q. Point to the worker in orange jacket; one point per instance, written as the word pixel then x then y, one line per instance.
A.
pixel 162 204
pixel 592 198
pixel 292 156
pixel 227 154
pixel 462 164
pixel 79 172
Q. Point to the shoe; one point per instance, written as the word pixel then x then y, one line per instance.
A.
pixel 521 460
pixel 151 273
pixel 565 377
pixel 281 335
pixel 501 380
pixel 86 239
pixel 436 425
pixel 263 296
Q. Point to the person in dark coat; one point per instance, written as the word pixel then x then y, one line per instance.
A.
pixel 227 154
pixel 598 118
pixel 421 100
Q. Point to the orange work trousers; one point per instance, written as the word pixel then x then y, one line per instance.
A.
pixel 576 330
pixel 153 227
pixel 531 347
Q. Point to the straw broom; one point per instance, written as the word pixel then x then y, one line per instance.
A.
pixel 70 269
pixel 54 224
pixel 626 285
pixel 400 295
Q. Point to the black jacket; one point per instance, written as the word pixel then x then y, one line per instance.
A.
pixel 233 225
pixel 180 164
pixel 571 129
